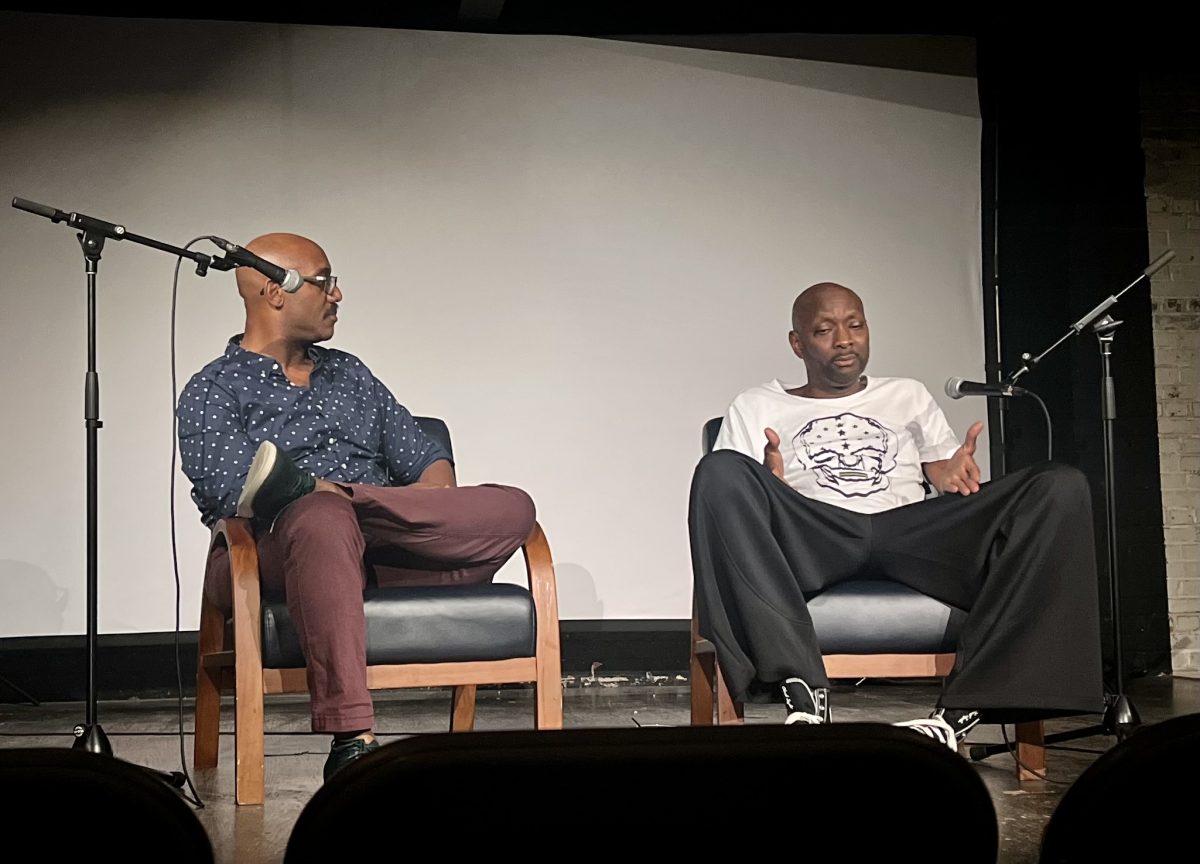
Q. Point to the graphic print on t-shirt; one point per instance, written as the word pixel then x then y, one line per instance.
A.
pixel 848 453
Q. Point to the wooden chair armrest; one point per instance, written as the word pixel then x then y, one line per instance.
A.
pixel 238 536
pixel 539 568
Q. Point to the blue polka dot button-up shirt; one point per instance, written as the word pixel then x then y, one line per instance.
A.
pixel 345 426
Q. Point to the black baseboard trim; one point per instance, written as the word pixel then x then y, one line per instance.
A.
pixel 143 665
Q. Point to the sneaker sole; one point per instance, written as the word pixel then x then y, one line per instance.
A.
pixel 260 470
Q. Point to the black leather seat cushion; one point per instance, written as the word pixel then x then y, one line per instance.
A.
pixel 881 617
pixel 433 624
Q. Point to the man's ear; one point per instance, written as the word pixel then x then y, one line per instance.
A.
pixel 797 346
pixel 274 294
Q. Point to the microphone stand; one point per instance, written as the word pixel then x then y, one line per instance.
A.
pixel 90 735
pixel 1120 716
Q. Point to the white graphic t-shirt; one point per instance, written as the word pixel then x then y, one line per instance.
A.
pixel 862 452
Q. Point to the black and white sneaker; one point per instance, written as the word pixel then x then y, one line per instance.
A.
pixel 804 704
pixel 272 483
pixel 962 722
pixel 933 727
pixel 946 726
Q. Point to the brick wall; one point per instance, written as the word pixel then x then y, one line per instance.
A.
pixel 1171 142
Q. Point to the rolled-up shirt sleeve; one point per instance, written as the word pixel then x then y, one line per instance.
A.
pixel 931 432
pixel 405 446
pixel 215 451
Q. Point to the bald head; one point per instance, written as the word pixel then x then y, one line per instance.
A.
pixel 289 251
pixel 297 318
pixel 829 333
pixel 814 297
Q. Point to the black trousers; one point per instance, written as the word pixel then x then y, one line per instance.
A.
pixel 1018 557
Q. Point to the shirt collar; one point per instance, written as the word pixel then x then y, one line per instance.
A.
pixel 234 349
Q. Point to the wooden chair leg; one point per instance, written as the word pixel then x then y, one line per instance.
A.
pixel 728 710
pixel 548 689
pixel 547 693
pixel 250 774
pixel 462 708
pixel 207 738
pixel 702 687
pixel 707 680
pixel 548 705
pixel 1031 750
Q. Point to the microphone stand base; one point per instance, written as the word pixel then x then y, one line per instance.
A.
pixel 1120 720
pixel 92 739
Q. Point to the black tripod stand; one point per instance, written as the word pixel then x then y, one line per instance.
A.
pixel 89 735
pixel 1120 717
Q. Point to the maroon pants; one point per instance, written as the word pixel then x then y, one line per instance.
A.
pixel 323 549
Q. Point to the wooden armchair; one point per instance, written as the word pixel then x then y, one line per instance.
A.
pixel 868 629
pixel 255 651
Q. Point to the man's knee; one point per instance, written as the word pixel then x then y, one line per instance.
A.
pixel 498 509
pixel 322 512
pixel 1061 484
pixel 520 511
pixel 721 471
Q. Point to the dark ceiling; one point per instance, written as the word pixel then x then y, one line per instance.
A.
pixel 575 17
pixel 1011 49
pixel 925 41
pixel 952 32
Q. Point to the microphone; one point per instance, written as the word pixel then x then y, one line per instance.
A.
pixel 1159 262
pixel 956 388
pixel 289 280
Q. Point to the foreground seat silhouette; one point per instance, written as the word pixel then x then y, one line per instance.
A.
pixel 875 791
pixel 64 804
pixel 1132 802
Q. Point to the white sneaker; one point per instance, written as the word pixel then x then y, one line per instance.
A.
pixel 933 727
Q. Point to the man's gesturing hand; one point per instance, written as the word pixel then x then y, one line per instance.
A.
pixel 960 473
pixel 772 458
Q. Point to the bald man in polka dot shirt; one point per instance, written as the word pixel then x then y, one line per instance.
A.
pixel 384 504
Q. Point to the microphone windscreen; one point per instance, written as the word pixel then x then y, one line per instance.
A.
pixel 292 280
pixel 952 385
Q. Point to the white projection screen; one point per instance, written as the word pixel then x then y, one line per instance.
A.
pixel 573 250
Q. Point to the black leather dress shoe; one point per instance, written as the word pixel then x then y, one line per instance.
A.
pixel 342 753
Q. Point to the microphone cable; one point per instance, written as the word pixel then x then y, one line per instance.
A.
pixel 195 796
pixel 1049 425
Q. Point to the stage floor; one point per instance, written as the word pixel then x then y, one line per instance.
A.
pixel 146 732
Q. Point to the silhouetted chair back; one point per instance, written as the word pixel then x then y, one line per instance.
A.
pixel 866 788
pixel 66 804
pixel 459 636
pixel 1134 803
pixel 867 629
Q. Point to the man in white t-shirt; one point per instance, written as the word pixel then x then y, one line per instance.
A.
pixel 850 476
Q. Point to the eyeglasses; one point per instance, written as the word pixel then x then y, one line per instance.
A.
pixel 328 284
